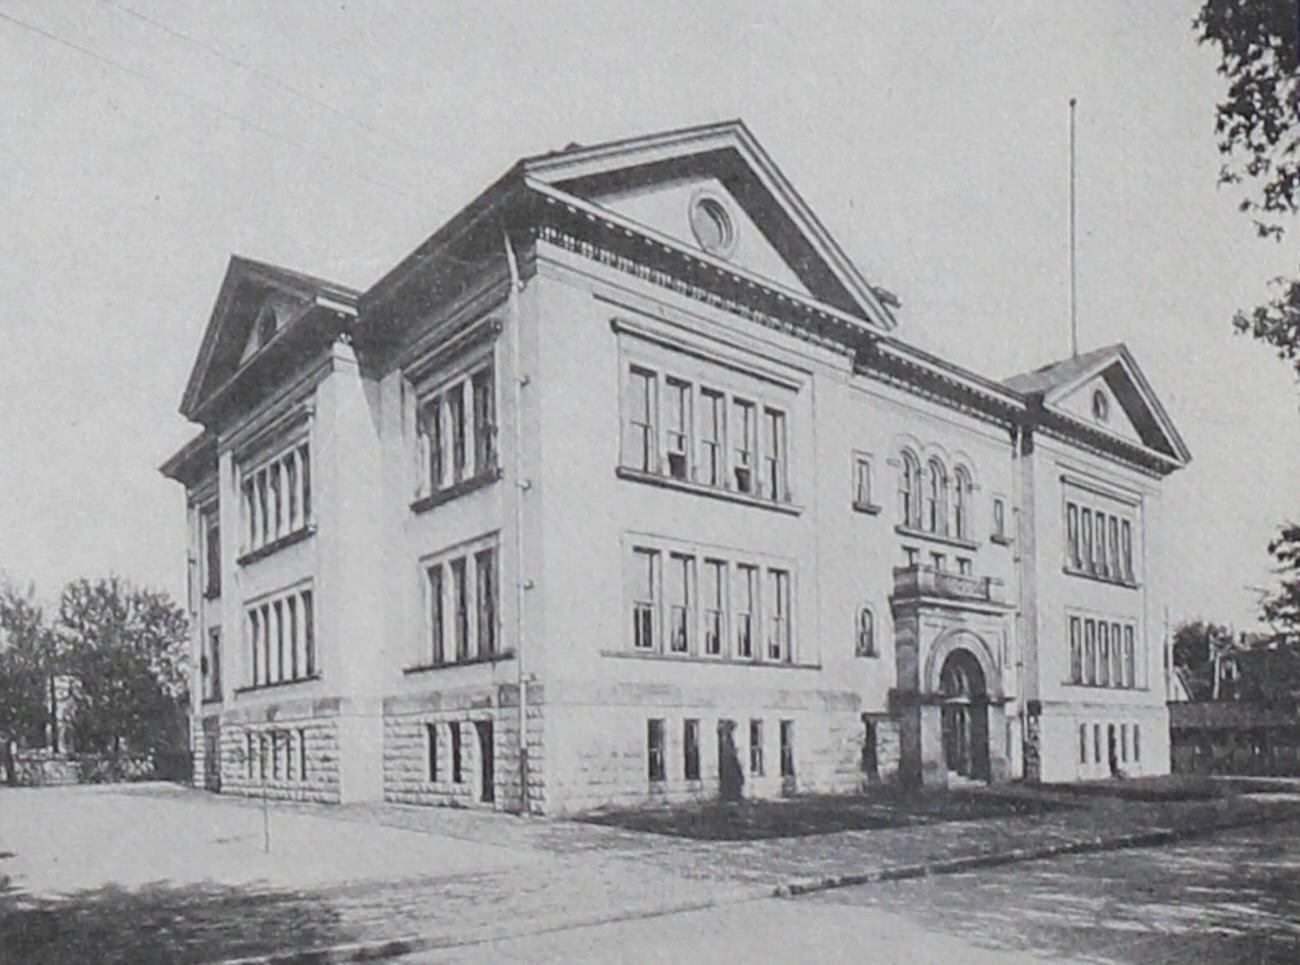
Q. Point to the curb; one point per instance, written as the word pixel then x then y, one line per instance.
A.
pixel 392 948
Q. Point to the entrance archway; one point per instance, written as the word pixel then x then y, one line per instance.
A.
pixel 964 704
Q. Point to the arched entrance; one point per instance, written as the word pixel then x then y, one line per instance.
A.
pixel 964 697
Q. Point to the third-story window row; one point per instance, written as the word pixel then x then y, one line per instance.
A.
pixel 695 433
pixel 282 639
pixel 457 432
pixel 463 597
pixel 1098 543
pixel 275 498
pixel 1104 653
pixel 698 605
pixel 932 499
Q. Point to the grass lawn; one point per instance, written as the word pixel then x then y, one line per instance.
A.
pixel 1170 787
pixel 881 807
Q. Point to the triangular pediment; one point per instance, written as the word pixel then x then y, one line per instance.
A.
pixel 715 190
pixel 256 305
pixel 1106 391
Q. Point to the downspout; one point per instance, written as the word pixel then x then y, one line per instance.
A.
pixel 518 381
pixel 1017 559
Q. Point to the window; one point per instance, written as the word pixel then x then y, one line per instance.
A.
pixel 1103 654
pixel 460 607
pixel 756 748
pixel 1083 743
pixel 746 608
pixel 1099 543
pixel 1137 743
pixel 743 435
pixel 640 421
pixel 302 755
pixel 787 748
pixel 1076 651
pixel 1126 549
pixel 677 421
pixel 680 610
pixel 866 646
pixel 1113 565
pixel 999 519
pixel 435 442
pixel 1116 657
pixel 690 750
pixel 456 428
pixel 862 482
pixel 1123 742
pixel 437 619
pixel 250 755
pixel 963 566
pixel 645 598
pixel 939 561
pixel 280 639
pixel 431 747
pixel 961 503
pixel 214 664
pixel 484 421
pixel 778 644
pixel 265 324
pixel 774 454
pixel 211 555
pixel 1087 540
pixel 714 603
pixel 909 491
pixel 936 498
pixel 456 424
pixel 1096 743
pixel 275 501
pixel 1129 676
pixel 1102 556
pixel 485 568
pixel 1090 649
pixel 1072 531
pixel 262 756
pixel 1100 406
pixel 712 470
pixel 655 749
pixel 457 760
pixel 275 755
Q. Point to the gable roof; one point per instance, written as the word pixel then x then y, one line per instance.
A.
pixel 1050 383
pixel 245 288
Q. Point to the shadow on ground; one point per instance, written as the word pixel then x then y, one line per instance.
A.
pixel 881 807
pixel 160 923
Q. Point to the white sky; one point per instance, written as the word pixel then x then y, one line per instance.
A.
pixel 931 138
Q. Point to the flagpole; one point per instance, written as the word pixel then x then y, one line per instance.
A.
pixel 1074 297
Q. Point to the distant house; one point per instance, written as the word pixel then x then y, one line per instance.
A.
pixel 624 482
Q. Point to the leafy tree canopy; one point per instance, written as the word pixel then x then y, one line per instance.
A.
pixel 1258 128
pixel 1282 609
pixel 26 661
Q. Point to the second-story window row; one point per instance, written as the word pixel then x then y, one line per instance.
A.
pixel 276 498
pixel 456 428
pixel 282 639
pixel 462 594
pixel 696 433
pixel 1098 543
pixel 1105 653
pixel 934 500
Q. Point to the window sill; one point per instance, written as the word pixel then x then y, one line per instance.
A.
pixel 262 552
pixel 278 684
pixel 699 659
pixel 871 509
pixel 935 537
pixel 685 485
pixel 206 701
pixel 456 490
pixel 1000 540
pixel 212 594
pixel 1108 688
pixel 1098 578
pixel 469 662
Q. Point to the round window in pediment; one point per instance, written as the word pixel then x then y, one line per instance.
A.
pixel 1100 406
pixel 712 225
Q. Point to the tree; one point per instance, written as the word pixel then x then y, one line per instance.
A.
pixel 1258 128
pixel 126 648
pixel 27 660
pixel 1196 644
pixel 1282 610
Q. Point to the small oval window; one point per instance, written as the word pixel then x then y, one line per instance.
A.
pixel 1100 406
pixel 712 226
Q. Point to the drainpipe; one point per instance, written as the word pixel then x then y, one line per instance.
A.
pixel 518 381
pixel 1017 561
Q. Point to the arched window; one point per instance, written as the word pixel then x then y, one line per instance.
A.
pixel 936 498
pixel 909 490
pixel 961 499
pixel 866 645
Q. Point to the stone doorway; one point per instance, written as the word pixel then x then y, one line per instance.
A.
pixel 964 717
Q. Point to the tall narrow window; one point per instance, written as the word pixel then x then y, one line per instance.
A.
pixel 309 634
pixel 787 748
pixel 1137 742
pixel 1116 570
pixel 262 755
pixel 677 421
pixel 679 603
pixel 866 644
pixel 277 500
pixel 212 556
pixel 484 421
pixel 1126 549
pixel 778 643
pixel 640 421
pixel 1103 653
pixel 264 534
pixel 250 755
pixel 999 518
pixel 746 609
pixel 294 517
pixel 774 458
pixel 268 644
pixel 861 481
pixel 457 759
pixel 486 599
pixel 744 443
pixel 713 602
pixel 935 496
pixel 713 421
pixel 431 749
pixel 909 491
pixel 1076 651
pixel 756 748
pixel 1123 742
pixel 460 608
pixel 1102 556
pixel 437 651
pixel 961 504
pixel 304 468
pixel 645 598
pixel 690 750
pixel 1086 539
pixel 255 646
pixel 456 416
pixel 436 443
pixel 280 668
pixel 214 663
pixel 1116 657
pixel 1083 743
pixel 1072 531
pixel 1090 651
pixel 655 750
pixel 1130 676
pixel 302 755
pixel 1096 743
